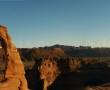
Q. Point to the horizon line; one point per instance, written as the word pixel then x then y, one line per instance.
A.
pixel 77 46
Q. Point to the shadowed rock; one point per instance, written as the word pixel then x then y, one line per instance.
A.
pixel 33 78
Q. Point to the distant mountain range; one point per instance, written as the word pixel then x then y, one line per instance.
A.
pixel 63 50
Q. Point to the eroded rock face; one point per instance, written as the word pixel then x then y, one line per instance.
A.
pixel 74 64
pixel 14 74
pixel 49 72
pixel 98 87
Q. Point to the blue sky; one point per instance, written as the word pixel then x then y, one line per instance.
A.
pixel 35 23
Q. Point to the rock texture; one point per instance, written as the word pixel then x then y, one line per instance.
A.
pixel 14 74
pixel 49 72
pixel 101 87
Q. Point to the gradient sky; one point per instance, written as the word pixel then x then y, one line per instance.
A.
pixel 34 23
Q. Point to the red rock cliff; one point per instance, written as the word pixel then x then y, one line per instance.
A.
pixel 14 74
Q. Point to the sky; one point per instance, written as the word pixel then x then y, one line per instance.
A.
pixel 36 23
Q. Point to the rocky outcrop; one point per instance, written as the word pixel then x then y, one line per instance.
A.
pixel 14 73
pixel 74 64
pixel 48 72
pixel 102 87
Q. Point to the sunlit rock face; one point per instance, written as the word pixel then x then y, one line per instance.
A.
pixel 14 78
pixel 103 87
pixel 99 87
pixel 49 72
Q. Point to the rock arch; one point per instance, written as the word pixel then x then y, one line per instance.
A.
pixel 14 73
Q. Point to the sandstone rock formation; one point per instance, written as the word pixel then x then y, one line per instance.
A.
pixel 49 72
pixel 102 87
pixel 74 64
pixel 14 74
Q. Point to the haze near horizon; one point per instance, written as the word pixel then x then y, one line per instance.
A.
pixel 35 23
